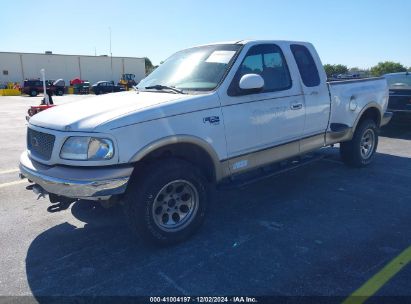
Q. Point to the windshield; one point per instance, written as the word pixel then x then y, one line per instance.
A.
pixel 400 80
pixel 195 69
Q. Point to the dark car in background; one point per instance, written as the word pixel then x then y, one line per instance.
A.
pixel 103 87
pixel 33 87
pixel 400 92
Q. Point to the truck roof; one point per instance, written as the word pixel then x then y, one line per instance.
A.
pixel 246 41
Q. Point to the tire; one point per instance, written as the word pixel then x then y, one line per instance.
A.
pixel 167 203
pixel 360 150
pixel 59 92
pixel 33 93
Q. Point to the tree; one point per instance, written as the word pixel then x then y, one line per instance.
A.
pixel 149 65
pixel 340 69
pixel 387 67
pixel 332 69
pixel 329 69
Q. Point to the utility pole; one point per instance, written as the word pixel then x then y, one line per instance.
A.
pixel 109 30
pixel 111 55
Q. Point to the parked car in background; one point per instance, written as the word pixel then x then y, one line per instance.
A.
pixel 400 92
pixel 103 87
pixel 347 76
pixel 33 87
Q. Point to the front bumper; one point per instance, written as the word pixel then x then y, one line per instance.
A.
pixel 77 182
pixel 386 118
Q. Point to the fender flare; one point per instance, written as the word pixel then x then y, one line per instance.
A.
pixel 177 139
pixel 369 105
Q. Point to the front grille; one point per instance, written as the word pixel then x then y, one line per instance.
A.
pixel 40 144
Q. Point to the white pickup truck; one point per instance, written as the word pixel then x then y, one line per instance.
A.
pixel 209 115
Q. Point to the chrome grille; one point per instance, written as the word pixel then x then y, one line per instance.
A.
pixel 40 144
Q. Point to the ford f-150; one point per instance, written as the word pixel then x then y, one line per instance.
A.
pixel 208 115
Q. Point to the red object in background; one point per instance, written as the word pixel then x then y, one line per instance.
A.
pixel 76 81
pixel 36 109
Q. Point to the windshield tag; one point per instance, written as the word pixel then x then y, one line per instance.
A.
pixel 220 56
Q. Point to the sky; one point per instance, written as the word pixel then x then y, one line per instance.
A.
pixel 357 33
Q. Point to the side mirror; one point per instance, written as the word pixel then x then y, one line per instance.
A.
pixel 251 82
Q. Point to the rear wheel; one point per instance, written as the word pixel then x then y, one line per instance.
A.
pixel 33 93
pixel 59 92
pixel 360 150
pixel 167 203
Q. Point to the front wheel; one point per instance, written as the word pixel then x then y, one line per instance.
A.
pixel 360 150
pixel 166 203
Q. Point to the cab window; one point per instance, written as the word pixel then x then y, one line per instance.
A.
pixel 266 60
pixel 306 65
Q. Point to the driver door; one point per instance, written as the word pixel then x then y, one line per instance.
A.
pixel 260 123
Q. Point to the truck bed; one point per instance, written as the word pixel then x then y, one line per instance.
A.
pixel 350 97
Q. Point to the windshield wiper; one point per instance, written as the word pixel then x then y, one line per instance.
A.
pixel 164 87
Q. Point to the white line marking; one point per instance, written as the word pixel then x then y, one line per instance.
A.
pixel 13 183
pixel 9 171
pixel 171 282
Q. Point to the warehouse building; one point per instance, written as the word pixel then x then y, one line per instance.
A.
pixel 15 67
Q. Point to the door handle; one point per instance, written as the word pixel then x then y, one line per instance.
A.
pixel 314 93
pixel 296 106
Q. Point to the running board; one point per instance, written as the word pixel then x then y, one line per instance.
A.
pixel 262 173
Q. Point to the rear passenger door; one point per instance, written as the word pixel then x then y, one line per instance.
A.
pixel 316 94
pixel 255 121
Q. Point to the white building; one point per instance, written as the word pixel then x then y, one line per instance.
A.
pixel 15 67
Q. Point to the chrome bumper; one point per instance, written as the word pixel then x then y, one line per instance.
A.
pixel 386 118
pixel 77 182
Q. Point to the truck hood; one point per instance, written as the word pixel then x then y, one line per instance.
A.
pixel 89 113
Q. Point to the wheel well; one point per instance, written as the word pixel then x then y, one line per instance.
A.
pixel 188 152
pixel 371 113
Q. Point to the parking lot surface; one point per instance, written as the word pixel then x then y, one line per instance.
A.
pixel 321 230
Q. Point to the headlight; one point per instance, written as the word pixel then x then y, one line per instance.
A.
pixel 87 148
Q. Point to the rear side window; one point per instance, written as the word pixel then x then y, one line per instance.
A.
pixel 268 61
pixel 306 65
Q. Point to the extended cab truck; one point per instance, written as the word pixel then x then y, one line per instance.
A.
pixel 207 115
